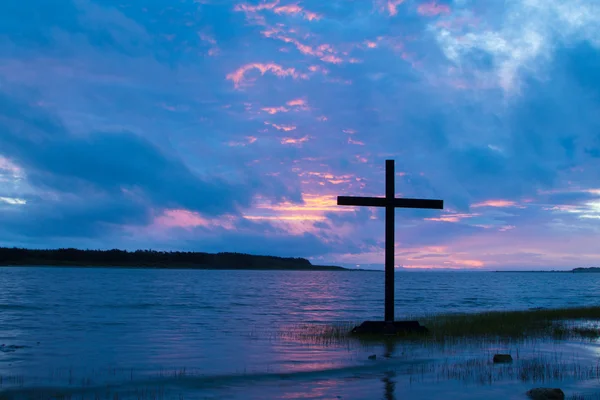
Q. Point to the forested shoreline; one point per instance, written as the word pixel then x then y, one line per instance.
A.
pixel 151 259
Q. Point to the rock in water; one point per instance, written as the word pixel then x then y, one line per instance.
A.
pixel 502 358
pixel 546 394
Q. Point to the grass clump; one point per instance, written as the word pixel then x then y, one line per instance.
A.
pixel 560 323
pixel 557 323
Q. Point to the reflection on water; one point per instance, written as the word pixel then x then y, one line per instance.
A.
pixel 133 325
pixel 389 386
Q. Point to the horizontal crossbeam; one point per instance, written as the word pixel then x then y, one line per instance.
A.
pixel 383 202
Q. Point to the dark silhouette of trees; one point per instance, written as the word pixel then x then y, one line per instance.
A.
pixel 150 258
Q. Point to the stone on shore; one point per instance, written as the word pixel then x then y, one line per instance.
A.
pixel 502 358
pixel 546 394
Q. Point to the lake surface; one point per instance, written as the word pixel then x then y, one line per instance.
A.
pixel 225 334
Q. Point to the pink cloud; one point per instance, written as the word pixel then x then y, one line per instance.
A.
pixel 238 76
pixel 285 128
pixel 311 15
pixel 451 217
pixel 294 9
pixel 330 58
pixel 180 218
pixel 432 9
pixel 290 9
pixel 275 110
pixel 7 165
pixel 355 142
pixel 324 51
pixel 495 203
pixel 392 6
pixel 318 68
pixel 258 7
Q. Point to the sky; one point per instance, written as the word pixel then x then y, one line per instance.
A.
pixel 215 125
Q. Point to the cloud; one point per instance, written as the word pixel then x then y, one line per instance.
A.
pixel 519 43
pixel 494 203
pixel 133 120
pixel 238 77
pixel 100 179
pixel 275 7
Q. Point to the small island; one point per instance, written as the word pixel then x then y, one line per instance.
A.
pixel 590 269
pixel 154 259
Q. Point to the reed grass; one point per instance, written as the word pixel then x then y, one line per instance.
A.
pixel 560 323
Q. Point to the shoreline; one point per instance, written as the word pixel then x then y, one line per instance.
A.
pixel 313 268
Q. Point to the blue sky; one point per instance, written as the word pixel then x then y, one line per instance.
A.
pixel 232 126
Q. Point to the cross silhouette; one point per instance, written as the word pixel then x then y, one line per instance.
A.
pixel 390 202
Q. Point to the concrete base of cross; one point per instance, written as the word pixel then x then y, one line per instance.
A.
pixel 389 328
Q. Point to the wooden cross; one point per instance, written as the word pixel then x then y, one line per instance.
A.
pixel 390 202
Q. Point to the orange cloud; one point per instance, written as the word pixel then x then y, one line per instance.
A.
pixel 297 102
pixel 294 141
pixel 333 179
pixel 450 264
pixel 371 45
pixel 355 142
pixel 238 76
pixel 495 203
pixel 296 218
pixel 432 9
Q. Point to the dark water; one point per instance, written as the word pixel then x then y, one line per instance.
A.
pixel 96 326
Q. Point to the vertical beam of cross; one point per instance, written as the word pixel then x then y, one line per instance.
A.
pixel 390 203
pixel 390 193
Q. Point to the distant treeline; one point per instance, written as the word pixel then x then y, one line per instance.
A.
pixel 590 269
pixel 574 270
pixel 151 258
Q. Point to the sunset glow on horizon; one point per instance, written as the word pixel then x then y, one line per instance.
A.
pixel 233 126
